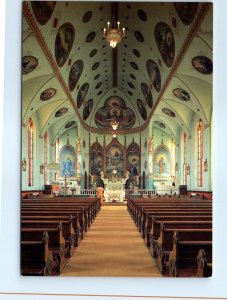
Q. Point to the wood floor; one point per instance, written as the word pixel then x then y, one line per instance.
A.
pixel 112 247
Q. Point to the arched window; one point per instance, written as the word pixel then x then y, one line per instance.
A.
pixel 57 150
pixel 185 158
pixel 30 152
pixel 200 154
pixel 45 157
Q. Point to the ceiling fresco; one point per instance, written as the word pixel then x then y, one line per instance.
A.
pixel 162 67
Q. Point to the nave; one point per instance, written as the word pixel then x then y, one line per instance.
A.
pixel 112 247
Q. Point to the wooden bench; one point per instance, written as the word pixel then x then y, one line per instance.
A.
pixel 36 259
pixel 204 262
pixel 183 257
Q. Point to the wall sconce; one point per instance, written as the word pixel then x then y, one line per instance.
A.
pixel 23 164
pixel 41 168
pixel 205 165
pixel 188 169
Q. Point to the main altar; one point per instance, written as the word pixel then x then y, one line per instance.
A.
pixel 114 188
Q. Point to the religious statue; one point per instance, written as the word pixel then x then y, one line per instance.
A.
pixel 78 144
pixel 161 165
pixel 77 167
pixel 150 144
pixel 67 166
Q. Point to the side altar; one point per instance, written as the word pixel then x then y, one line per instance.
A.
pixel 114 189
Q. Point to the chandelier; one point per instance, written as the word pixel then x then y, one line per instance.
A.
pixel 114 124
pixel 113 34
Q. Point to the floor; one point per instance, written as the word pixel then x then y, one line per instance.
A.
pixel 112 247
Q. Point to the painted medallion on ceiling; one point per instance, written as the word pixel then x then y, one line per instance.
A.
pixel 87 16
pixel 142 15
pixel 87 109
pixel 95 66
pixel 69 124
pixel 147 94
pixel 114 108
pixel 115 161
pixel 139 36
pixel 61 112
pixel 186 11
pixel 48 94
pixel 90 37
pixel 181 94
pixel 160 124
pixel 168 112
pixel 29 64
pixel 63 43
pixel 202 64
pixel 43 10
pixel 154 74
pixel 134 65
pixel 82 94
pixel 142 109
pixel 74 74
pixel 165 42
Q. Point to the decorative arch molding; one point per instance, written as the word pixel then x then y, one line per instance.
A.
pixel 67 161
pixel 162 162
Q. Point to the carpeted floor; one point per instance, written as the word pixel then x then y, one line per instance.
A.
pixel 112 247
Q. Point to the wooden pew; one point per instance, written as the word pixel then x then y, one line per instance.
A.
pixel 183 257
pixel 165 243
pixel 36 259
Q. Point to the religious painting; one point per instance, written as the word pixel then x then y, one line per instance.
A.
pixel 154 74
pixel 63 43
pixel 43 10
pixel 61 112
pixel 162 160
pixel 202 64
pixel 186 11
pixel 70 124
pixel 147 94
pixel 82 94
pixel 142 109
pixel 96 162
pixel 142 15
pixel 139 36
pixel 181 94
pixel 87 16
pixel 165 42
pixel 67 161
pixel 115 109
pixel 168 112
pixel 115 161
pixel 75 73
pixel 160 124
pixel 133 159
pixel 29 64
pixel 87 109
pixel 90 37
pixel 48 94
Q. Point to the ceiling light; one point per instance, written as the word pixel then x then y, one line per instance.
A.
pixel 113 34
pixel 114 124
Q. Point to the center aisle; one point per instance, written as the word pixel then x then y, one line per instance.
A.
pixel 112 247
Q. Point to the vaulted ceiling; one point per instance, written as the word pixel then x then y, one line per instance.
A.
pixel 161 70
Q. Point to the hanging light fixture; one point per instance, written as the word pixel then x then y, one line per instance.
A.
pixel 114 124
pixel 113 33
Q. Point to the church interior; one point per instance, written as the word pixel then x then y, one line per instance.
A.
pixel 116 155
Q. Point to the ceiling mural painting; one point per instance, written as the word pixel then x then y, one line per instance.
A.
pixel 181 94
pixel 160 124
pixel 87 16
pixel 70 124
pixel 139 36
pixel 82 94
pixel 48 94
pixel 95 66
pixel 74 74
pixel 202 64
pixel 154 74
pixel 62 111
pixel 142 15
pixel 87 109
pixel 90 37
pixel 43 10
pixel 63 43
pixel 115 109
pixel 29 64
pixel 186 11
pixel 168 112
pixel 147 94
pixel 142 109
pixel 165 42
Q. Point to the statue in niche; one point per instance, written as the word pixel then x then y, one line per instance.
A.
pixel 78 144
pixel 150 144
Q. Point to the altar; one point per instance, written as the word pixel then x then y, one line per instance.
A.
pixel 114 190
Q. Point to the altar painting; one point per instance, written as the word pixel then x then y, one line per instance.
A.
pixel 162 162
pixel 133 159
pixel 68 162
pixel 114 161
pixel 96 159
